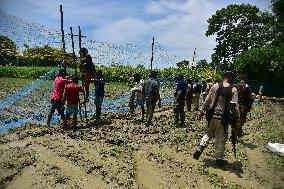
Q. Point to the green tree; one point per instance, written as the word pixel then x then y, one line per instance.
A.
pixel 8 50
pixel 266 62
pixel 237 29
pixel 183 64
pixel 48 53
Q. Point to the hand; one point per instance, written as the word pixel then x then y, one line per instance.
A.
pixel 200 115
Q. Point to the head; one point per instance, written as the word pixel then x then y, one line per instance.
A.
pixel 229 76
pixel 208 80
pixel 75 79
pixel 137 77
pixel 99 74
pixel 196 80
pixel 83 51
pixel 62 73
pixel 243 79
pixel 153 74
pixel 189 81
pixel 179 77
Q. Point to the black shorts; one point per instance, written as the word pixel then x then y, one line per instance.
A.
pixel 57 105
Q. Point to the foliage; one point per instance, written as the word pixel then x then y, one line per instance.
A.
pixel 23 72
pixel 48 53
pixel 8 50
pixel 114 73
pixel 183 64
pixel 7 46
pixel 265 63
pixel 238 28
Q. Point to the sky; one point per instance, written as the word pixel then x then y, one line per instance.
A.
pixel 178 25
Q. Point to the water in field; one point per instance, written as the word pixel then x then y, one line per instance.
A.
pixel 31 103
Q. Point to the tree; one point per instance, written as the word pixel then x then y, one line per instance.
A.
pixel 183 64
pixel 237 29
pixel 202 64
pixel 278 10
pixel 48 53
pixel 266 62
pixel 8 50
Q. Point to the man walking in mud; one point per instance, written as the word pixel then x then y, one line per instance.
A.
pixel 151 95
pixel 245 102
pixel 180 96
pixel 221 100
pixel 189 94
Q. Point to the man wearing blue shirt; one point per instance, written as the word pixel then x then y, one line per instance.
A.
pixel 180 96
pixel 99 83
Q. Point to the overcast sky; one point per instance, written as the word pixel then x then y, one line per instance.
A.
pixel 178 25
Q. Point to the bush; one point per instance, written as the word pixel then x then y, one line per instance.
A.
pixel 114 73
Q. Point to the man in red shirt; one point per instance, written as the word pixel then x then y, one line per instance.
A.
pixel 57 95
pixel 71 95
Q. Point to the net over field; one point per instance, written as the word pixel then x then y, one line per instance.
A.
pixel 31 103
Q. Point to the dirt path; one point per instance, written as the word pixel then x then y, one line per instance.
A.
pixel 122 153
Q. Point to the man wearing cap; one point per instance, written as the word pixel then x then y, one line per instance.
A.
pixel 87 69
pixel 180 96
pixel 222 98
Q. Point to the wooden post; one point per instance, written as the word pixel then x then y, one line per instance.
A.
pixel 62 30
pixel 152 57
pixel 73 51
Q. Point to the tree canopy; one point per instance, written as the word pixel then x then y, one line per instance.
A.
pixel 237 29
pixel 8 46
pixel 48 53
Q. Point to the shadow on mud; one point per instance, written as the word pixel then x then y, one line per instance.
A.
pixel 234 167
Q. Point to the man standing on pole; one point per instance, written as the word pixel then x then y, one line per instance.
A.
pixel 87 69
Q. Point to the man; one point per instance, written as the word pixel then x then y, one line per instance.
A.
pixel 180 95
pixel 87 69
pixel 57 96
pixel 137 96
pixel 209 84
pixel 99 83
pixel 222 99
pixel 71 96
pixel 189 94
pixel 196 94
pixel 245 101
pixel 151 95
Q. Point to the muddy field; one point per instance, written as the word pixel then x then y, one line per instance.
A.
pixel 121 152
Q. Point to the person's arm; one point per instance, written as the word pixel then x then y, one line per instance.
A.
pixel 64 97
pixel 208 100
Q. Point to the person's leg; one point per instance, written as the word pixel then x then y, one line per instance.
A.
pixel 87 88
pixel 151 112
pixel 75 114
pixel 205 139
pixel 60 109
pixel 220 140
pixel 143 112
pixel 182 114
pixel 98 112
pixel 243 118
pixel 176 112
pixel 52 110
pixel 131 103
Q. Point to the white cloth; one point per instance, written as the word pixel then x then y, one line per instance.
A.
pixel 276 147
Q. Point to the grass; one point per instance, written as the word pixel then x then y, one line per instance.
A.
pixel 10 85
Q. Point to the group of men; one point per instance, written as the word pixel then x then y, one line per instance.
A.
pixel 224 103
pixel 67 90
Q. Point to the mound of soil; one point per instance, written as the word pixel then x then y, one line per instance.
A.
pixel 120 152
